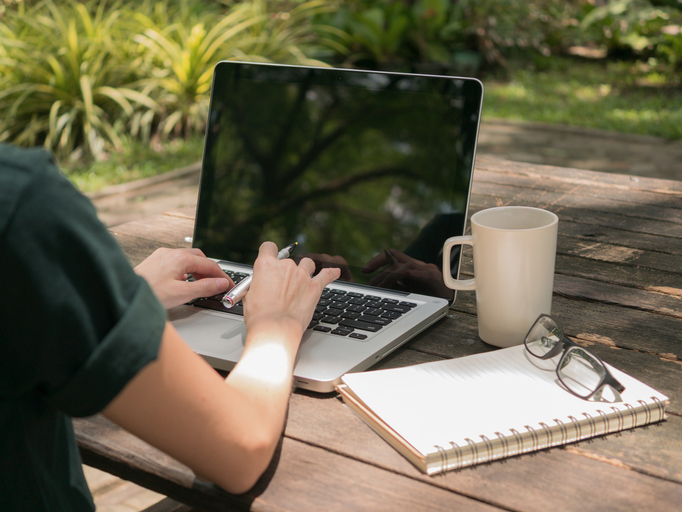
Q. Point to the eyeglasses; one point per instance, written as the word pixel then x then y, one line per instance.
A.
pixel 580 371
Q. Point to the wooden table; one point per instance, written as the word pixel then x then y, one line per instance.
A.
pixel 618 290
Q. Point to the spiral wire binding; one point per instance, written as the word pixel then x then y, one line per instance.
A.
pixel 456 451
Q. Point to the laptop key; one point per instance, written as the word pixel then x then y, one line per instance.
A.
pixel 357 324
pixel 357 336
pixel 322 328
pixel 397 309
pixel 350 314
pixel 341 332
pixel 391 314
pixel 330 319
pixel 375 319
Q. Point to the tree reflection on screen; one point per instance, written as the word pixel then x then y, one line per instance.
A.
pixel 348 164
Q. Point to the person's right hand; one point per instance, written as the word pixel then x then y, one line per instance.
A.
pixel 283 295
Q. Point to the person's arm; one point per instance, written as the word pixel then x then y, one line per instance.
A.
pixel 227 431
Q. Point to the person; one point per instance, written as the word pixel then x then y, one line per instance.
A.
pixel 84 333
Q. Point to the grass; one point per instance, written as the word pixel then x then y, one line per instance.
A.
pixel 136 161
pixel 625 97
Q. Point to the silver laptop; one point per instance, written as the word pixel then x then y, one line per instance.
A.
pixel 368 171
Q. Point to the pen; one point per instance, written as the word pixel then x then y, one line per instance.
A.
pixel 239 291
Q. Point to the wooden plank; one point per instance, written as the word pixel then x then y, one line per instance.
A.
pixel 666 286
pixel 595 195
pixel 606 293
pixel 609 325
pixel 593 212
pixel 135 248
pixel 624 256
pixel 644 295
pixel 643 278
pixel 301 477
pixel 168 230
pixel 661 187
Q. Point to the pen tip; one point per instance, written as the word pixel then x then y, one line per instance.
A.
pixel 228 302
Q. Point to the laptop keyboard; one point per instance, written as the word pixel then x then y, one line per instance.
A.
pixel 338 312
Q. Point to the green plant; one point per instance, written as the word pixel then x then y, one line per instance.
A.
pixel 179 57
pixel 64 84
pixel 181 49
pixel 442 31
pixel 290 31
pixel 638 28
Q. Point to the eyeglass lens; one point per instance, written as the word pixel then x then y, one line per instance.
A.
pixel 543 337
pixel 580 371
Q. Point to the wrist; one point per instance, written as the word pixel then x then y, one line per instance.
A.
pixel 282 331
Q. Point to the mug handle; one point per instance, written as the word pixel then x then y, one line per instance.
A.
pixel 456 284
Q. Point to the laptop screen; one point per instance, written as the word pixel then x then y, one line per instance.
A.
pixel 368 171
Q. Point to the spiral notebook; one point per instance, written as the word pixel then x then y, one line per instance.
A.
pixel 450 414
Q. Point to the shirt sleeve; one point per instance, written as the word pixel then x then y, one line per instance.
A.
pixel 78 322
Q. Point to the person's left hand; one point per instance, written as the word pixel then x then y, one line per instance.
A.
pixel 167 270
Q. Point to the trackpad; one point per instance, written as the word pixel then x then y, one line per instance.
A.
pixel 210 334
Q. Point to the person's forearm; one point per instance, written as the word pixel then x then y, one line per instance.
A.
pixel 224 430
pixel 263 378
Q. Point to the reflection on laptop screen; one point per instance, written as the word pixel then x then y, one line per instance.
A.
pixel 367 171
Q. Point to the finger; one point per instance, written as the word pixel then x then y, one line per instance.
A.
pixel 326 276
pixel 268 249
pixel 205 287
pixel 375 263
pixel 308 265
pixel 195 264
pixel 401 256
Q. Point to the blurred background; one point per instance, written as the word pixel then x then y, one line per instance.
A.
pixel 119 90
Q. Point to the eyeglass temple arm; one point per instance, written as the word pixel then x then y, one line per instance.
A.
pixel 611 381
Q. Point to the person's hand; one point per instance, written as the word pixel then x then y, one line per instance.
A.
pixel 167 270
pixel 328 261
pixel 283 295
pixel 406 274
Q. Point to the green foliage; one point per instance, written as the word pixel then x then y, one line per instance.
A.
pixel 181 48
pixel 64 84
pixel 135 161
pixel 75 76
pixel 638 27
pixel 388 34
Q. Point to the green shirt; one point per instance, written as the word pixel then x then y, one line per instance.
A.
pixel 76 325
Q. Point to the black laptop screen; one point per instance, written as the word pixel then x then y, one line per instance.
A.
pixel 367 171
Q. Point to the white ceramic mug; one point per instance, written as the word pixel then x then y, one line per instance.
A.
pixel 514 254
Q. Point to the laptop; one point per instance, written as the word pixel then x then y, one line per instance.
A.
pixel 367 171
